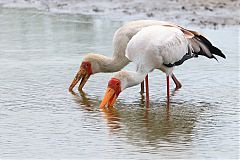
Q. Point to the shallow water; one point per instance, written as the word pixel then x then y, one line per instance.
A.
pixel 40 54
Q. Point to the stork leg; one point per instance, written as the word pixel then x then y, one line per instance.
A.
pixel 168 90
pixel 147 91
pixel 177 83
pixel 142 87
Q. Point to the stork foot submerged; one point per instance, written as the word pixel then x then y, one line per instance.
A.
pixel 142 88
pixel 147 92
pixel 168 90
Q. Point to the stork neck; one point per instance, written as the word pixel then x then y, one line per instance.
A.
pixel 113 64
pixel 136 78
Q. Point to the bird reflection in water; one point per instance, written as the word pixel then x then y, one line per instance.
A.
pixel 153 125
pixel 157 125
pixel 113 119
pixel 82 99
pixel 111 114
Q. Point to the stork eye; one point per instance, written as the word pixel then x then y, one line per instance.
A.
pixel 117 84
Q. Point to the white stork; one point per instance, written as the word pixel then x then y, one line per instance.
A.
pixel 158 47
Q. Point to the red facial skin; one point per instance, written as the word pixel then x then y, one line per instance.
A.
pixel 112 92
pixel 87 66
pixel 115 85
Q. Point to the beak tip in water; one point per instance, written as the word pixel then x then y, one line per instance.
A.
pixel 102 106
pixel 109 98
pixel 70 89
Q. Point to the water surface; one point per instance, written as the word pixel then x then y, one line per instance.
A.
pixel 40 54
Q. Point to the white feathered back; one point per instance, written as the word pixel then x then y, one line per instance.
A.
pixel 155 45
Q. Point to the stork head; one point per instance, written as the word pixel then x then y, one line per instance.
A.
pixel 116 85
pixel 89 66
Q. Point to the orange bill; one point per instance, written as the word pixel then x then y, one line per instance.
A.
pixel 81 74
pixel 83 82
pixel 109 98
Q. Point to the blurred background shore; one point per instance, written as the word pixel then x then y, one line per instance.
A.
pixel 211 13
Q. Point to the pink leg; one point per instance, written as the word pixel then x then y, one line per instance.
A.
pixel 168 90
pixel 147 92
pixel 177 83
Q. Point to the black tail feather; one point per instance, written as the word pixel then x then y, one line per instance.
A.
pixel 214 50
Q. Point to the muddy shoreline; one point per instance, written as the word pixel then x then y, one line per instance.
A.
pixel 208 13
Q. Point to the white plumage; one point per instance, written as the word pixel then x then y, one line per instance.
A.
pixel 156 45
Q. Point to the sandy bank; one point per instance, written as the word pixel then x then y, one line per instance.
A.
pixel 211 13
